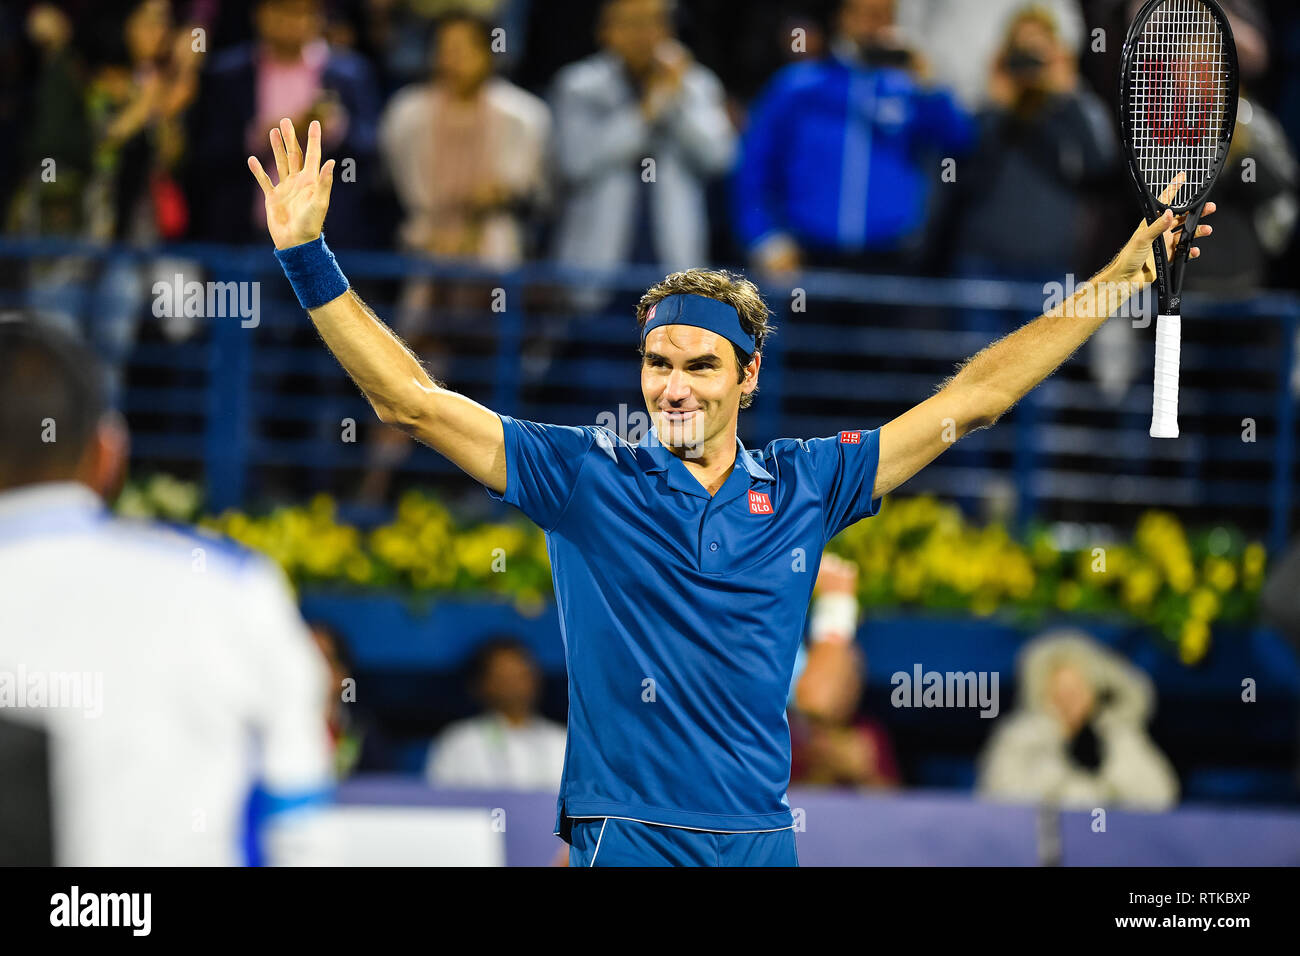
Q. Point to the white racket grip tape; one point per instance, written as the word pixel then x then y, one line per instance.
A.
pixel 1164 406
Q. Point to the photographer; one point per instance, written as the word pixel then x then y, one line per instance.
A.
pixel 1043 139
pixel 1078 737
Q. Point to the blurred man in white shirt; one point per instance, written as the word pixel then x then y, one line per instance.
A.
pixel 509 745
pixel 171 670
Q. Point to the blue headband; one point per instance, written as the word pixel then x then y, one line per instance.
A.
pixel 701 312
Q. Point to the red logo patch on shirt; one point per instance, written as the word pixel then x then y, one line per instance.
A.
pixel 850 438
pixel 759 504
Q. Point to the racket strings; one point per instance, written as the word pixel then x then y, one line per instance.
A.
pixel 1179 81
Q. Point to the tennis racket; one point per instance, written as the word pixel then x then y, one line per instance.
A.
pixel 1178 107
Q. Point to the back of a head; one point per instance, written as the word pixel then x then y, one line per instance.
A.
pixel 52 398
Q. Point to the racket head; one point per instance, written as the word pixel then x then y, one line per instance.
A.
pixel 1177 100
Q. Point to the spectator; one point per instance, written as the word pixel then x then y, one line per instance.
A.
pixel 58 133
pixel 136 105
pixel 641 98
pixel 831 172
pixel 1257 188
pixel 1043 139
pixel 961 40
pixel 289 70
pixel 465 153
pixel 831 744
pixel 133 107
pixel 1078 737
pixel 510 745
pixel 397 34
pixel 177 671
pixel 349 730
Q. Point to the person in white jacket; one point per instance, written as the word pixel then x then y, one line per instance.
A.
pixel 1078 739
pixel 170 671
pixel 509 745
pixel 640 127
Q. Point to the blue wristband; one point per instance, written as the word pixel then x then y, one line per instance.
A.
pixel 313 272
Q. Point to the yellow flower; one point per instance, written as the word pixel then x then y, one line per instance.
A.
pixel 1193 641
pixel 1068 594
pixel 1253 559
pixel 1204 604
pixel 1221 574
pixel 359 569
pixel 1140 586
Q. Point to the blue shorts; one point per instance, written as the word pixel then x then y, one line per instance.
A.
pixel 613 841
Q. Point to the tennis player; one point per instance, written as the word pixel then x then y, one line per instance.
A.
pixel 683 565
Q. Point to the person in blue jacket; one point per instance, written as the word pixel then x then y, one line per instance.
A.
pixel 842 154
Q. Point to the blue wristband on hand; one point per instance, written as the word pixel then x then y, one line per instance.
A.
pixel 313 272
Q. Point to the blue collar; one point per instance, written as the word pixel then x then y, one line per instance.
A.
pixel 654 457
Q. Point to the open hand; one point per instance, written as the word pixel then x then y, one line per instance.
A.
pixel 296 206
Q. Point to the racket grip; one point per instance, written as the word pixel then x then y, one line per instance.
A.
pixel 1164 406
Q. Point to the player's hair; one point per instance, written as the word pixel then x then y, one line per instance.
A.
pixel 45 376
pixel 735 290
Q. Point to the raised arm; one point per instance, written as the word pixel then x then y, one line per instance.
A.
pixel 394 382
pixel 991 382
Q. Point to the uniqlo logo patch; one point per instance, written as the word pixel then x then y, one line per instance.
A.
pixel 759 503
pixel 850 438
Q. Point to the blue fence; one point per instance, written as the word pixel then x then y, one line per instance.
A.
pixel 244 396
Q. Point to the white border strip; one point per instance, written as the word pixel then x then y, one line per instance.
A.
pixel 598 839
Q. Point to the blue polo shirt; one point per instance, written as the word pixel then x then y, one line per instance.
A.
pixel 682 612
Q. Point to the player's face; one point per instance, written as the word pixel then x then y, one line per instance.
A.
pixel 689 381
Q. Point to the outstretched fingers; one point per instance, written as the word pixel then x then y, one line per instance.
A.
pixel 259 174
pixel 325 183
pixel 281 158
pixel 312 161
pixel 291 147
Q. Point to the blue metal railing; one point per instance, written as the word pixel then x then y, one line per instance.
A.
pixel 238 403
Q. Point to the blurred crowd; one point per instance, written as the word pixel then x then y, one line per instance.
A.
pixel 799 133
pixel 967 138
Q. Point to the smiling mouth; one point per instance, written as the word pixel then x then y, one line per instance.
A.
pixel 678 416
